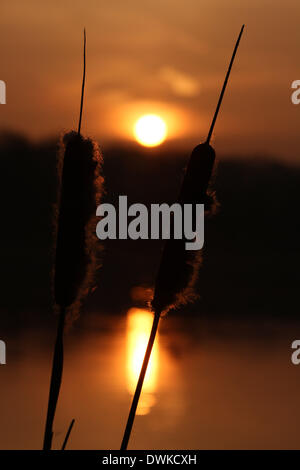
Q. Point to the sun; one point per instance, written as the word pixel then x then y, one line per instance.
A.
pixel 150 130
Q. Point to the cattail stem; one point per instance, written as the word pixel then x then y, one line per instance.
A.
pixel 224 86
pixel 83 81
pixel 139 386
pixel 68 434
pixel 56 376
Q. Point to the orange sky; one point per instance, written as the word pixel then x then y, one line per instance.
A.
pixel 162 56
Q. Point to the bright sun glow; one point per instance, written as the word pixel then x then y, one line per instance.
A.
pixel 150 130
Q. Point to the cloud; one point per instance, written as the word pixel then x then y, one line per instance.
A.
pixel 180 83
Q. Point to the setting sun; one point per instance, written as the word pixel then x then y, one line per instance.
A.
pixel 150 130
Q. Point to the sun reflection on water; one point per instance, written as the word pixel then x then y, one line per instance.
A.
pixel 139 322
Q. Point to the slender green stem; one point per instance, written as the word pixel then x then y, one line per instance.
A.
pixel 56 377
pixel 139 386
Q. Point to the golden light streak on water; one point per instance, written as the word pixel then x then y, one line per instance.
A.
pixel 139 322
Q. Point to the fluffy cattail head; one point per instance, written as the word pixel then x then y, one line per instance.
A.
pixel 80 188
pixel 178 271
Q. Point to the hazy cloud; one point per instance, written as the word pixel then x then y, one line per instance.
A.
pixel 180 83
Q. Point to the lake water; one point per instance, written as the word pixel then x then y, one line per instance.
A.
pixel 210 385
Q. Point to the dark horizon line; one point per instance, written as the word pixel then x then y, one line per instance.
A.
pixel 176 145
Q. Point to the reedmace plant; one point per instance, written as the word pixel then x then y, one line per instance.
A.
pixel 177 275
pixel 79 190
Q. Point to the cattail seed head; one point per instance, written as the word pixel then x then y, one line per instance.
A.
pixel 178 272
pixel 80 188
